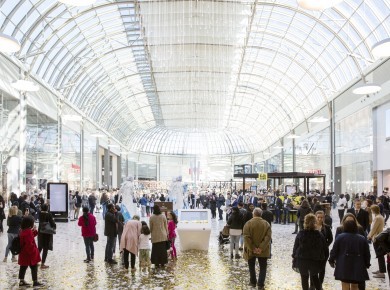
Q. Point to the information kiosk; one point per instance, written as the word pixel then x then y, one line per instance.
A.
pixel 57 198
pixel 194 229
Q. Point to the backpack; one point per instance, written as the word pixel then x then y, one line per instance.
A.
pixel 15 246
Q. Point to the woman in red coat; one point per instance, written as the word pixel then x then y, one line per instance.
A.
pixel 87 222
pixel 29 254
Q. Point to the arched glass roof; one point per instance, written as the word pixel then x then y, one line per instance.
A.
pixel 189 77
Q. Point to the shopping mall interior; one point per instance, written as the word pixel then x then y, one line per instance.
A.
pixel 204 92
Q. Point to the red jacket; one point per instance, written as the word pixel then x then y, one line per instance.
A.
pixel 90 230
pixel 29 254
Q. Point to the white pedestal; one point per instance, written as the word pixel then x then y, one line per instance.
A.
pixel 194 229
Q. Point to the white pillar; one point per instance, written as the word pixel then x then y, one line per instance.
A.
pixel 22 141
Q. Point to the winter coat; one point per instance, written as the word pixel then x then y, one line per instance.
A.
pixel 235 221
pixel 130 236
pixel 29 254
pixel 45 241
pixel 351 254
pixel 90 229
pixel 310 245
pixel 257 234
pixel 110 228
pixel 158 228
pixel 377 226
pixel 171 230
pixel 362 217
pixel 303 211
pixel 13 224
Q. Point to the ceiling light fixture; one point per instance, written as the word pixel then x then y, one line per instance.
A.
pixel 25 86
pixel 8 43
pixel 278 147
pixel 381 49
pixel 77 2
pixel 76 118
pixel 366 89
pixel 98 135
pixel 318 119
pixel 293 136
pixel 318 4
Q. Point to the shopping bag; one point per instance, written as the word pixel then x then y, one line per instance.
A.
pixel 126 214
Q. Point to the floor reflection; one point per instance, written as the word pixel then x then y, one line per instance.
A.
pixel 192 270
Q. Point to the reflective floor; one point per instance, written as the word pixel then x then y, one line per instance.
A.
pixel 193 270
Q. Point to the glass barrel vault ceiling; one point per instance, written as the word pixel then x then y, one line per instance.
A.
pixel 196 77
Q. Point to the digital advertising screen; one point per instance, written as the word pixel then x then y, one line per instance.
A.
pixel 57 193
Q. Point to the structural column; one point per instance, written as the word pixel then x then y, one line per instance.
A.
pixel 119 171
pixel 60 105
pixel 98 169
pixel 22 141
pixel 107 177
pixel 82 155
pixel 332 147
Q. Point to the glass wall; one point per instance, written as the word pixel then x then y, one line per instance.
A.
pixel 41 145
pixel 90 167
pixel 71 164
pixel 354 151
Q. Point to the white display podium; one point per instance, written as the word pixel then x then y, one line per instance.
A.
pixel 194 229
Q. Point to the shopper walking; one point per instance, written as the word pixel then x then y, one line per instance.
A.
pixel 350 256
pixel 303 210
pixel 130 241
pixel 13 221
pixel 326 231
pixel 87 222
pixel 92 202
pixel 111 232
pixel 235 230
pixel 257 240
pixel 45 241
pixel 309 253
pixel 77 205
pixel 220 203
pixel 159 237
pixel 341 206
pixel 377 226
pixel 172 222
pixel 29 254
pixel 2 213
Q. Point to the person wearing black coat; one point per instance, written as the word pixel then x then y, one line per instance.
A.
pixel 302 212
pixel 309 252
pixel 235 222
pixel 213 205
pixel 326 231
pixel 278 209
pixel 350 216
pixel 2 213
pixel 220 203
pixel 350 256
pixel 266 214
pixel 111 232
pixel 360 214
pixel 45 241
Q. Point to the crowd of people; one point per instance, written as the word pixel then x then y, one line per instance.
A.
pixel 249 218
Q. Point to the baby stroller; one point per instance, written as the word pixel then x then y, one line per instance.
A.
pixel 222 239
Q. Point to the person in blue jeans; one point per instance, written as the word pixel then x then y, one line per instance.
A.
pixel 111 232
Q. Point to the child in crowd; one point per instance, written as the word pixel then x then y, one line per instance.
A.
pixel 172 233
pixel 144 247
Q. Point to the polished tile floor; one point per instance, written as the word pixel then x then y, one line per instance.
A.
pixel 193 269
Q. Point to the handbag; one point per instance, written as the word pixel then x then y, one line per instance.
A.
pixel 226 230
pixel 96 238
pixel 46 228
